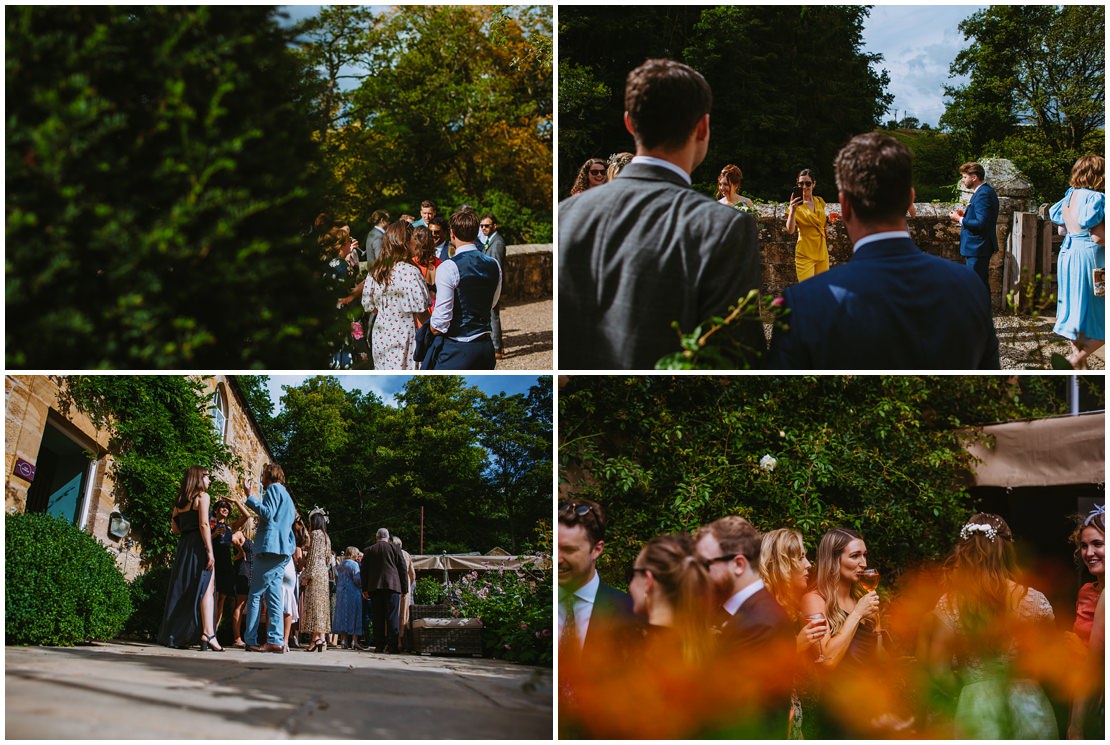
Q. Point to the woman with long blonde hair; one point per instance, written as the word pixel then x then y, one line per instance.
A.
pixel 785 571
pixel 851 612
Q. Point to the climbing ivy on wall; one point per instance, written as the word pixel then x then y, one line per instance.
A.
pixel 159 427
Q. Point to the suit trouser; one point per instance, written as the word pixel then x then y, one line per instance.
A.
pixel 495 324
pixel 266 578
pixel 981 265
pixel 387 606
pixel 459 355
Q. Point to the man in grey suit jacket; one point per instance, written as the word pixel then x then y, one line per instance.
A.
pixel 646 250
pixel 494 246
pixel 378 222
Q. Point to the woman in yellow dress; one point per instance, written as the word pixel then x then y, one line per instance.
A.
pixel 806 213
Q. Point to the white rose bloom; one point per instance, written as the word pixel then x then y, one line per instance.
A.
pixel 768 463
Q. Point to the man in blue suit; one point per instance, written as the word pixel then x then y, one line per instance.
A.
pixel 892 306
pixel 978 234
pixel 273 548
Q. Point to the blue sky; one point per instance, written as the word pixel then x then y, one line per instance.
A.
pixel 917 42
pixel 388 386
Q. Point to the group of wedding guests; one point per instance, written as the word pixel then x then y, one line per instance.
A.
pixel 284 577
pixel 762 643
pixel 393 286
pixel 643 253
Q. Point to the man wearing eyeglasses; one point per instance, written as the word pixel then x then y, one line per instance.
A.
pixel 494 245
pixel 585 602
pixel 729 550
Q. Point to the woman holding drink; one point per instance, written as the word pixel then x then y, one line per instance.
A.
pixel 847 598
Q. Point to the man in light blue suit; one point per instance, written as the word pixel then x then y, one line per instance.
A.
pixel 892 306
pixel 978 234
pixel 273 547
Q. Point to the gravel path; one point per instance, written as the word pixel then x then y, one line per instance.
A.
pixel 527 331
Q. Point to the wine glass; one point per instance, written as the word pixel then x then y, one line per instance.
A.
pixel 817 618
pixel 869 579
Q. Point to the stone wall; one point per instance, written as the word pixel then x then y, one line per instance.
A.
pixel 528 274
pixel 931 229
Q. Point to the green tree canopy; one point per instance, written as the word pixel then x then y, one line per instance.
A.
pixel 452 103
pixel 161 173
pixel 1037 88
pixel 790 85
pixel 881 455
pixel 478 466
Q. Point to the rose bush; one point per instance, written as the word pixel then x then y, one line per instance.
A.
pixel 515 608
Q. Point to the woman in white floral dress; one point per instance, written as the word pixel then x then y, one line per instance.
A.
pixel 395 290
pixel 975 642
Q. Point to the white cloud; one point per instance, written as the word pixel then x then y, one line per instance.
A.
pixel 918 43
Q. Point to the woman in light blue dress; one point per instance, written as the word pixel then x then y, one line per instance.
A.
pixel 1080 313
pixel 348 599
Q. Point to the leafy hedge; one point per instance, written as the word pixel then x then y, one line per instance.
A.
pixel 428 591
pixel 148 596
pixel 61 585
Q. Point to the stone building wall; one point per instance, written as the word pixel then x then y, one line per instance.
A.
pixel 32 407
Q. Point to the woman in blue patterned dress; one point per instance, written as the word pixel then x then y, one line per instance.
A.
pixel 1080 312
pixel 348 599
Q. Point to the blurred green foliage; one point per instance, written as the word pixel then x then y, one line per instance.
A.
pixel 161 177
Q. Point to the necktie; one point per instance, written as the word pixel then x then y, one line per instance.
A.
pixel 568 640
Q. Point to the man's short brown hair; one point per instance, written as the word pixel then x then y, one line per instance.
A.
pixel 734 535
pixel 875 173
pixel 974 168
pixel 464 224
pixel 584 512
pixel 665 100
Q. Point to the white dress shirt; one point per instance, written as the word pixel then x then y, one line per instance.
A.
pixel 875 237
pixel 650 161
pixel 447 281
pixel 733 604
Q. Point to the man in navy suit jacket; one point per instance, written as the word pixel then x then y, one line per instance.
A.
pixel 978 233
pixel 586 604
pixel 892 306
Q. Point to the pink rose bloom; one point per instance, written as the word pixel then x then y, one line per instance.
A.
pixel 777 302
pixel 356 330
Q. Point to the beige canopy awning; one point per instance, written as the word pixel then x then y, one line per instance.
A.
pixel 1043 452
pixel 470 562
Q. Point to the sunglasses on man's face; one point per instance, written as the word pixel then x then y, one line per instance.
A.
pixel 486 225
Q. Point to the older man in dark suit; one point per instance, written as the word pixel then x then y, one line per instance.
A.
pixel 979 222
pixel 892 306
pixel 384 580
pixel 646 250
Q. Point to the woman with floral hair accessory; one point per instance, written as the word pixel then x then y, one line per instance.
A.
pixel 974 640
pixel 728 187
pixel 617 162
pixel 1089 539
